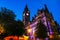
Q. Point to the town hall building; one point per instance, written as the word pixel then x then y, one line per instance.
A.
pixel 44 16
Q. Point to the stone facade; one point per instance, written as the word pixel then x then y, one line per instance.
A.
pixel 44 16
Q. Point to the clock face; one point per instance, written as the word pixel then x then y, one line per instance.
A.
pixel 27 14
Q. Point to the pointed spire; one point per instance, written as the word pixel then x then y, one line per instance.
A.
pixel 32 18
pixel 46 9
pixel 26 8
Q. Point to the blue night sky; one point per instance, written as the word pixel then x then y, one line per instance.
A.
pixel 17 6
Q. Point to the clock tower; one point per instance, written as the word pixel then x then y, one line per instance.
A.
pixel 26 16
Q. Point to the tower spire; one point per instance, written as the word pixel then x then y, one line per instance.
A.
pixel 26 16
pixel 26 8
pixel 46 9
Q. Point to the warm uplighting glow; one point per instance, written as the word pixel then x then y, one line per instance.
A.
pixel 11 38
pixel 16 38
pixel 1 29
pixel 21 38
pixel 29 30
pixel 51 36
pixel 26 37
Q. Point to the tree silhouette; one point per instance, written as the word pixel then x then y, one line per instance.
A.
pixel 12 26
pixel 19 28
pixel 7 15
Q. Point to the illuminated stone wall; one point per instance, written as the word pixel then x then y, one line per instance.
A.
pixel 46 18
